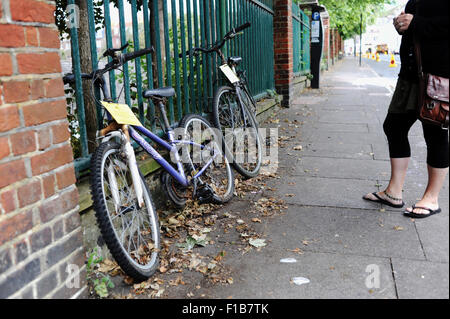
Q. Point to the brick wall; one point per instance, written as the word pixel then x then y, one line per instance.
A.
pixel 40 231
pixel 326 41
pixel 283 50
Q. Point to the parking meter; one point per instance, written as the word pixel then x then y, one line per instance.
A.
pixel 317 35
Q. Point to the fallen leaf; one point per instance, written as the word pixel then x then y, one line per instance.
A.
pixel 296 250
pixel 162 269
pixel 257 242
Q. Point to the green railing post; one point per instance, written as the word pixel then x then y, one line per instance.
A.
pixel 176 59
pixel 184 62
pixel 123 39
pixel 137 62
pixel 94 57
pixel 109 44
pixel 168 58
pixel 78 87
pixel 191 75
pixel 148 44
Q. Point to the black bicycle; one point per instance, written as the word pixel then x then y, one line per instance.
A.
pixel 234 110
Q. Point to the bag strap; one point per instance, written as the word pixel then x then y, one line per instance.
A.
pixel 418 52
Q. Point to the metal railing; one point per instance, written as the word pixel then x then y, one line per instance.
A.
pixel 172 27
pixel 302 31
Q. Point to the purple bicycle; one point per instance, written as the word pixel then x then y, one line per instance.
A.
pixel 122 200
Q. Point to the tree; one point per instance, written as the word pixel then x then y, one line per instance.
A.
pixel 345 15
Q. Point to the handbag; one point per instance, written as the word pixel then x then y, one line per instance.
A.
pixel 433 95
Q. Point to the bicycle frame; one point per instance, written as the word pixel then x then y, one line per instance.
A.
pixel 171 146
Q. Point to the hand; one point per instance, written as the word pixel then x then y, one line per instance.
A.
pixel 402 22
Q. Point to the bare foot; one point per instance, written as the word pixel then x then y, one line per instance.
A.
pixel 426 203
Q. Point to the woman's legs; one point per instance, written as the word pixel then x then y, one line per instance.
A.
pixel 399 166
pixel 396 128
pixel 438 162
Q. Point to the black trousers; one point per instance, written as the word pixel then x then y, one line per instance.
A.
pixel 396 127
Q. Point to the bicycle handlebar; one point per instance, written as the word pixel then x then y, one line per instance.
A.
pixel 110 52
pixel 133 55
pixel 114 64
pixel 239 29
pixel 219 44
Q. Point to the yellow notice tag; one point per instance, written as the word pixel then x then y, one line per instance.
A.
pixel 122 113
pixel 229 73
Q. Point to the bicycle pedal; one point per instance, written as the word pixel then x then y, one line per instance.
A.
pixel 205 194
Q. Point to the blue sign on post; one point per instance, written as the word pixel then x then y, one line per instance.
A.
pixel 316 16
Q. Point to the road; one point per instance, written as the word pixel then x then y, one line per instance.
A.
pixel 382 69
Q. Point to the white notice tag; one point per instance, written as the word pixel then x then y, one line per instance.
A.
pixel 231 76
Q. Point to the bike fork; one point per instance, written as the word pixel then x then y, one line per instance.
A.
pixel 134 170
pixel 131 160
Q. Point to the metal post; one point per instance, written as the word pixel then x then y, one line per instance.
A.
pixel 360 41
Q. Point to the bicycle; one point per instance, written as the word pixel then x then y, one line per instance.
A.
pixel 234 110
pixel 121 198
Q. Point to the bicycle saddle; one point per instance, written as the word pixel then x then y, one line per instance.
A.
pixel 159 93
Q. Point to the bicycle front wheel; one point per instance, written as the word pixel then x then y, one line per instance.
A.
pixel 131 232
pixel 236 120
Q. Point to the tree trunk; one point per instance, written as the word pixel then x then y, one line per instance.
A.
pixel 86 67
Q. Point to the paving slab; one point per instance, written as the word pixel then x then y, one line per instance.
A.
pixel 330 192
pixel 345 117
pixel 433 233
pixel 344 137
pixel 421 279
pixel 342 168
pixel 316 128
pixel 346 231
pixel 349 107
pixel 340 150
pixel 331 276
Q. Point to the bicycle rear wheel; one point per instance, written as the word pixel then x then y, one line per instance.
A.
pixel 131 233
pixel 240 129
pixel 219 175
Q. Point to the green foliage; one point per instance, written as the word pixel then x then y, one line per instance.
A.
pixel 345 15
pixel 74 126
pixel 100 282
pixel 60 14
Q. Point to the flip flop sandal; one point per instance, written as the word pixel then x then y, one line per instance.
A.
pixel 414 215
pixel 385 202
